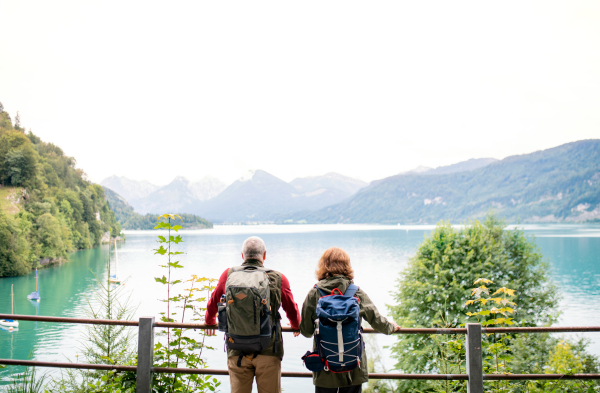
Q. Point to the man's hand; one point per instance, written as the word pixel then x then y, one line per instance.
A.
pixel 396 327
pixel 211 332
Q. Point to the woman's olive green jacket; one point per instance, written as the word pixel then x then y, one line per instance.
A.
pixel 368 312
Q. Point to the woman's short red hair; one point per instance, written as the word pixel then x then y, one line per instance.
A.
pixel 334 261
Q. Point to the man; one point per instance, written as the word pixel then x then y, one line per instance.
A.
pixel 266 365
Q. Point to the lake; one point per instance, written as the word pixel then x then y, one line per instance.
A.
pixel 378 254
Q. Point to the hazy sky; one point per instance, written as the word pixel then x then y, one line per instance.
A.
pixel 150 90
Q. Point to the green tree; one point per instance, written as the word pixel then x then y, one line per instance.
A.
pixel 14 249
pixel 432 290
pixel 20 165
pixel 49 236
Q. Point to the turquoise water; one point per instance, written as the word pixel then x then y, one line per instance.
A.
pixel 378 253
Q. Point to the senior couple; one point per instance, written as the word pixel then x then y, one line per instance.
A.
pixel 333 271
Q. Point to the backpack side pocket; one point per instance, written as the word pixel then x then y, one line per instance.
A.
pixel 222 316
pixel 313 361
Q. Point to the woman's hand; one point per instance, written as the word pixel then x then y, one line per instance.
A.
pixel 296 334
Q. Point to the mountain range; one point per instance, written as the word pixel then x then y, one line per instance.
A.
pixel 561 184
pixel 176 196
pixel 256 196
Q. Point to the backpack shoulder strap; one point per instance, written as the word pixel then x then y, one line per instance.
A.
pixel 320 291
pixel 351 290
pixel 257 268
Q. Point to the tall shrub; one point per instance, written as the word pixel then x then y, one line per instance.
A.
pixel 432 291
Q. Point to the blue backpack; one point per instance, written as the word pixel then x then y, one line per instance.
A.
pixel 339 338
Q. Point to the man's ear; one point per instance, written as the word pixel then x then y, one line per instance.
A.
pixel 265 255
pixel 243 257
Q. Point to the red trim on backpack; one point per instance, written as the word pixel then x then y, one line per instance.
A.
pixel 335 372
pixel 336 289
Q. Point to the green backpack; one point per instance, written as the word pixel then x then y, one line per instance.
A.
pixel 247 308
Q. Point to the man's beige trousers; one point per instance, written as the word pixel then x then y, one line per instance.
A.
pixel 266 369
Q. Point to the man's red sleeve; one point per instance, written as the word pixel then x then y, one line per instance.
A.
pixel 210 318
pixel 289 305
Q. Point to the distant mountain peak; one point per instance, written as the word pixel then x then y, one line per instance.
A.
pixel 248 175
pixel 127 188
pixel 419 169
pixel 180 179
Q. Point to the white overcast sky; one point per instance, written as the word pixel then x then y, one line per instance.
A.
pixel 150 90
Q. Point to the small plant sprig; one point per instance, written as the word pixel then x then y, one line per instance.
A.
pixel 180 347
pixel 494 311
pixel 503 302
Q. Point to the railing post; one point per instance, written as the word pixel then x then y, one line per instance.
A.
pixel 474 359
pixel 145 355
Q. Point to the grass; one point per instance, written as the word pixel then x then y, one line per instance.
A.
pixel 27 383
pixel 8 199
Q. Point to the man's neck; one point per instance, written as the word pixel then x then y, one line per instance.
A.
pixel 253 262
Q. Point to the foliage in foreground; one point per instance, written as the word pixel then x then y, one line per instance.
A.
pixel 174 348
pixel 180 348
pixel 52 209
pixel 102 344
pixel 434 292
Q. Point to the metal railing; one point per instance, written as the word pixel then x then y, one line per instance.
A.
pixel 144 369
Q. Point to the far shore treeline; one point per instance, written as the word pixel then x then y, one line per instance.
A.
pixel 129 219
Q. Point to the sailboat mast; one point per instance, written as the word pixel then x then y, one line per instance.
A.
pixel 36 281
pixel 116 261
pixel 12 300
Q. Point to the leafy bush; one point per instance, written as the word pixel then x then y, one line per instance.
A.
pixel 433 289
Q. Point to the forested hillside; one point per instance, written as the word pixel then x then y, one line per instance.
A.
pixel 48 208
pixel 561 184
pixel 129 219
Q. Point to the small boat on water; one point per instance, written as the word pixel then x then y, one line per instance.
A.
pixel 114 279
pixel 10 323
pixel 35 295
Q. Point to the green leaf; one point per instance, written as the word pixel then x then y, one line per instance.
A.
pixel 162 280
pixel 163 225
pixel 161 250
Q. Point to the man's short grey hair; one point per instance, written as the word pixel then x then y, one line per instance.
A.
pixel 254 248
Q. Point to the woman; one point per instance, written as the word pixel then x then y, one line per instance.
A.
pixel 334 271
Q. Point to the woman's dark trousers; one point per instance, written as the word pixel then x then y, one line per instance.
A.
pixel 349 389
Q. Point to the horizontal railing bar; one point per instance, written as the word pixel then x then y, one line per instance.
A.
pixel 536 377
pixel 35 363
pixel 557 329
pixel 69 320
pixel 564 329
pixel 291 374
